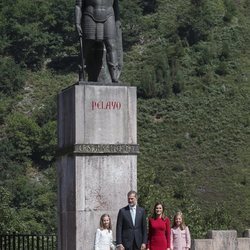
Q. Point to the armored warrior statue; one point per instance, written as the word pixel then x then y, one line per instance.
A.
pixel 97 22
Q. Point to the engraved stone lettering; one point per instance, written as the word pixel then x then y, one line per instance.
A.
pixel 106 105
pixel 107 148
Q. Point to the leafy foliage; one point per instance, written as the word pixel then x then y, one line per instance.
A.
pixel 190 156
pixel 11 76
pixel 34 30
pixel 23 134
pixel 190 63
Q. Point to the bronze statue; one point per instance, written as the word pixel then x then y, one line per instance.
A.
pixel 99 30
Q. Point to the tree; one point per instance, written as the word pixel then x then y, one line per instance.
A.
pixel 23 133
pixel 35 30
pixel 9 221
pixel 131 19
pixel 11 76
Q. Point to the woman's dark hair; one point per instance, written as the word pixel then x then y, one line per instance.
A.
pixel 163 216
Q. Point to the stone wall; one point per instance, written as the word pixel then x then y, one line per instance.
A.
pixel 223 240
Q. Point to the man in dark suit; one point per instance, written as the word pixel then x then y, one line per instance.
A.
pixel 131 227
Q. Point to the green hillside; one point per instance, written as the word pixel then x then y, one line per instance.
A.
pixel 190 61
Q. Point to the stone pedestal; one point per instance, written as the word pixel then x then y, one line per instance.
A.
pixel 97 162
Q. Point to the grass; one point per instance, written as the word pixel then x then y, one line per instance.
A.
pixel 197 145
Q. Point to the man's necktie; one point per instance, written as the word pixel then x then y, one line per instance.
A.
pixel 133 212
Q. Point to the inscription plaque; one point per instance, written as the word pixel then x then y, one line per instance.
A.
pixel 113 149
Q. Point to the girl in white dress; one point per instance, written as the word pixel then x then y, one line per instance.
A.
pixel 103 236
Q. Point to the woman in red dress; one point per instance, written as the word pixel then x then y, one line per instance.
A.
pixel 159 229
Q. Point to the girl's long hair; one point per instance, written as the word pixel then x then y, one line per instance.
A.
pixel 182 225
pixel 101 222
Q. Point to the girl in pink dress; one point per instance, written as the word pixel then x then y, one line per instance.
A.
pixel 180 235
pixel 159 229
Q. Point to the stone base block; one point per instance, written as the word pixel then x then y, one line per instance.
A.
pixel 202 244
pixel 90 186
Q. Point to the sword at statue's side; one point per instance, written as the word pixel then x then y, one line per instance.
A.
pixel 81 71
pixel 78 20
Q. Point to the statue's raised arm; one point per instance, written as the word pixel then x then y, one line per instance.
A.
pixel 99 29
